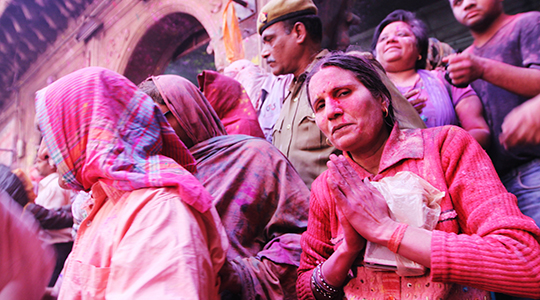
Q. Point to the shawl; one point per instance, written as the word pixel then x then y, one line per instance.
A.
pixel 98 126
pixel 260 197
pixel 231 103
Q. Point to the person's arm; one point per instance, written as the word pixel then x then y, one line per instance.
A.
pixel 470 114
pixel 58 218
pixel 316 241
pixel 336 268
pixel 497 244
pixel 522 125
pixel 465 68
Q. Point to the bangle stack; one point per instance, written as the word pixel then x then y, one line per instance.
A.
pixel 319 285
pixel 397 236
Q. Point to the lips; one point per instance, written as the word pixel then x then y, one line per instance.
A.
pixel 472 13
pixel 339 126
pixel 392 47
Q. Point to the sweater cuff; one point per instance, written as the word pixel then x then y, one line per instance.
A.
pixel 440 261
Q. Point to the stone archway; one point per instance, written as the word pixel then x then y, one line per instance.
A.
pixel 163 41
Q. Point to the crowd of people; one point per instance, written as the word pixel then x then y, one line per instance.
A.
pixel 408 171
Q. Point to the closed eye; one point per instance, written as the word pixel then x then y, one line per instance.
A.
pixel 267 39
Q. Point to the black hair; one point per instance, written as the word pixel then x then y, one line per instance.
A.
pixel 149 87
pixel 366 74
pixel 312 23
pixel 418 27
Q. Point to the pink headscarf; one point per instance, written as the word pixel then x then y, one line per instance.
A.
pixel 97 125
pixel 231 103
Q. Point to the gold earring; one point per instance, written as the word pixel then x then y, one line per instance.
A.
pixel 329 143
pixel 385 111
pixel 419 57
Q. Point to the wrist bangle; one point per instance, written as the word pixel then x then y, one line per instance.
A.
pixel 319 285
pixel 397 236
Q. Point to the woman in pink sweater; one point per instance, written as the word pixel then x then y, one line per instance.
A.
pixel 480 241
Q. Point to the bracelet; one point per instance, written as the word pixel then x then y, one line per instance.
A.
pixel 397 236
pixel 321 286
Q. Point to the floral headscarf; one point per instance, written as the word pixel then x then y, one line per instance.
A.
pixel 97 125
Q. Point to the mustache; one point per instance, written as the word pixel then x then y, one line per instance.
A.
pixel 270 60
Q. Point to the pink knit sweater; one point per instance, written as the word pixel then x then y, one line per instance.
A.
pixel 482 240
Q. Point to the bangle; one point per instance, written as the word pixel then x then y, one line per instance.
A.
pixel 397 236
pixel 320 285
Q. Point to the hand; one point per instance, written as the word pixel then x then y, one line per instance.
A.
pixel 362 205
pixel 419 103
pixel 522 125
pixel 352 241
pixel 464 68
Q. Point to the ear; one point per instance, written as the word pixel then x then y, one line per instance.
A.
pixel 300 32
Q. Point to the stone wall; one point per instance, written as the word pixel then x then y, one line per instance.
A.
pixel 121 25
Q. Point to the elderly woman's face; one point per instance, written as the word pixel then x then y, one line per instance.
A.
pixel 396 47
pixel 345 110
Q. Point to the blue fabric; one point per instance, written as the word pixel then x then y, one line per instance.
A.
pixel 524 182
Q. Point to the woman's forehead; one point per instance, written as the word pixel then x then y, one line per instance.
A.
pixel 330 78
pixel 396 26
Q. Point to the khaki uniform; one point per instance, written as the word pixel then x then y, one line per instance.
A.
pixel 297 136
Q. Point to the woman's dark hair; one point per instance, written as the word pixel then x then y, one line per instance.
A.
pixel 366 74
pixel 418 27
pixel 312 23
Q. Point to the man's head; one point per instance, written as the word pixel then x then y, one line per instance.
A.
pixel 44 163
pixel 291 33
pixel 477 15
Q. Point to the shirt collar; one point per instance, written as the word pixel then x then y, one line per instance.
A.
pixel 297 83
pixel 401 145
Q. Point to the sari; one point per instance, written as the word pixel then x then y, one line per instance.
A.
pixel 262 201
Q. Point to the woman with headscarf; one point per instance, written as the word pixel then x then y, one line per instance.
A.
pixel 231 103
pixel 151 229
pixel 262 201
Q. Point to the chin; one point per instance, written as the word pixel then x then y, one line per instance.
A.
pixel 344 146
